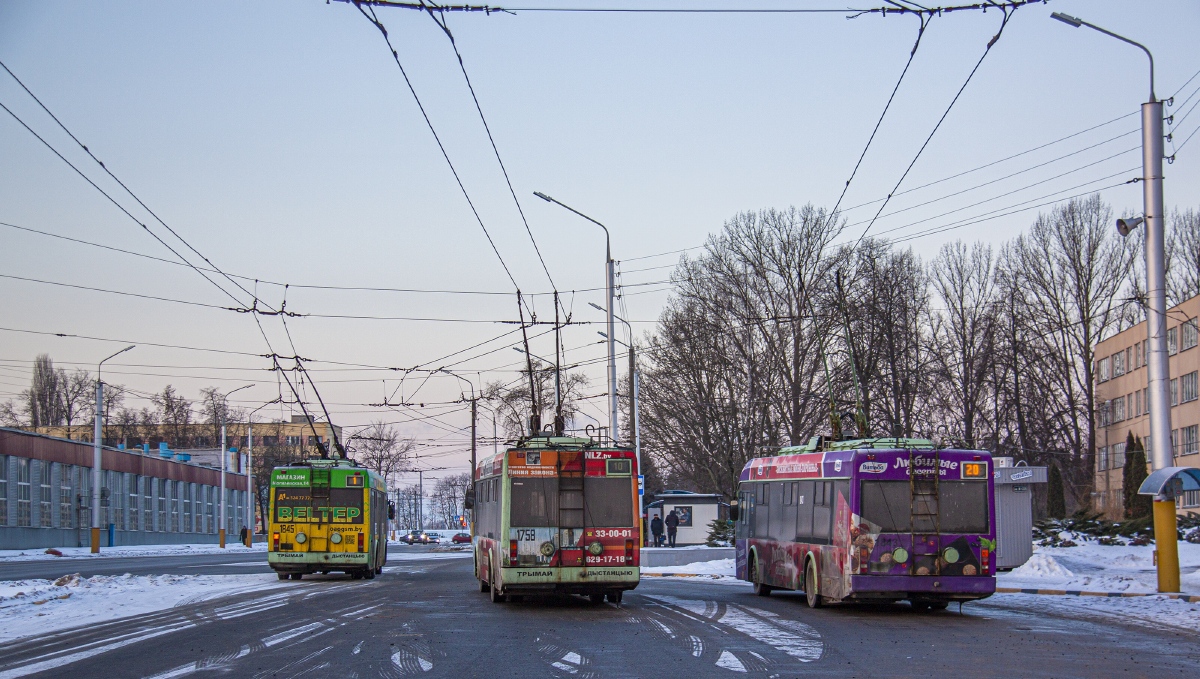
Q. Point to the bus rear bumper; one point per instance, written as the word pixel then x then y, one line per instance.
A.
pixel 310 562
pixel 570 580
pixel 947 588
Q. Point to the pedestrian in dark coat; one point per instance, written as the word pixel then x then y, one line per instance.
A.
pixel 656 527
pixel 672 527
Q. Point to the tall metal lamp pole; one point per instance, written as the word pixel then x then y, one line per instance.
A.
pixel 1166 547
pixel 97 453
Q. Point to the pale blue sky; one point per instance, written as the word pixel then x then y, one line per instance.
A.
pixel 280 140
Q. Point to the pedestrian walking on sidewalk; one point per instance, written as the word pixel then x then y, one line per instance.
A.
pixel 672 527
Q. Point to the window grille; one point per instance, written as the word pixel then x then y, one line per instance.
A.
pixel 1188 387
pixel 24 510
pixel 46 496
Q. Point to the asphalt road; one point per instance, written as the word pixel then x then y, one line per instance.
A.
pixel 427 618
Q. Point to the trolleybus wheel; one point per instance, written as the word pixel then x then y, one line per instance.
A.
pixel 484 587
pixel 759 588
pixel 496 596
pixel 812 590
pixel 615 597
pixel 282 576
pixel 596 598
pixel 369 573
pixel 297 576
pixel 356 575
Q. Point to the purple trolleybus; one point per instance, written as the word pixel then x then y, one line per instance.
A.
pixel 869 520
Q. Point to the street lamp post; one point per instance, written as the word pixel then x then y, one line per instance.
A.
pixel 610 289
pixel 224 454
pixel 250 471
pixel 1158 367
pixel 98 453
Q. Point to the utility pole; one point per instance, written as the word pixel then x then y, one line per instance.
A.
pixel 98 453
pixel 1166 546
pixel 250 481
pixel 221 525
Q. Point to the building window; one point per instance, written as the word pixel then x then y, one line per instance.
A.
pixel 1102 369
pixel 1189 499
pixel 162 505
pixel 1118 364
pixel 83 496
pixel 270 440
pixel 1189 334
pixel 1173 341
pixel 23 498
pixel 3 490
pixel 46 497
pixel 1174 443
pixel 1188 387
pixel 66 495
pixel 176 501
pixel 148 502
pixel 135 504
pixel 1119 409
pixel 1175 392
pixel 1118 455
pixel 1137 396
pixel 1191 440
pixel 1102 458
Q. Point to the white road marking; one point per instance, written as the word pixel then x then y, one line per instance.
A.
pixel 803 642
pixel 664 628
pixel 573 658
pixel 570 662
pixel 291 634
pixel 697 647
pixel 61 660
pixel 399 657
pixel 730 662
pixel 357 649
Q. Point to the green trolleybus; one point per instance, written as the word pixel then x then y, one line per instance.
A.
pixel 557 514
pixel 325 516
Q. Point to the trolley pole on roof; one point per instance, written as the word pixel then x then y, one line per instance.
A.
pixel 610 294
pixel 1165 531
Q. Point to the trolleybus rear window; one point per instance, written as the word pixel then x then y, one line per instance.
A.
pixel 534 502
pixel 608 501
pixel 963 506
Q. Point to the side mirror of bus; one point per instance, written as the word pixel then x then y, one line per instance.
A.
pixel 469 499
pixel 734 511
pixel 392 511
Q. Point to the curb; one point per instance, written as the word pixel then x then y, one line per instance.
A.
pixel 1189 598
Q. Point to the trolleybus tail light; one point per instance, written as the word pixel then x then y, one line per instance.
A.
pixel 985 557
pixel 512 552
pixel 275 541
pixel 629 551
pixel 362 542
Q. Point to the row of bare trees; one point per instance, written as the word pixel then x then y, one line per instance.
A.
pixel 978 347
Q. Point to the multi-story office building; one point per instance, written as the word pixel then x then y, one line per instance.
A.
pixel 1123 405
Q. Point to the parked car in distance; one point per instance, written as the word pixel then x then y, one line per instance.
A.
pixel 461 538
pixel 434 538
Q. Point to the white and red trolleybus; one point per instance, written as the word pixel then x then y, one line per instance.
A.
pixel 869 519
pixel 557 514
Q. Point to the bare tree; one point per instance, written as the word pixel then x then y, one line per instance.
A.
pixel 175 413
pixel 215 411
pixel 965 333
pixel 380 448
pixel 42 401
pixel 514 402
pixel 447 498
pixel 76 395
pixel 1183 274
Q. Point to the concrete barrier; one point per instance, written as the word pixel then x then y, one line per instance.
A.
pixel 665 556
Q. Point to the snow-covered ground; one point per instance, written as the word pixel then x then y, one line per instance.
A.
pixel 8 555
pixel 1094 567
pixel 1090 567
pixel 29 607
pixel 718 570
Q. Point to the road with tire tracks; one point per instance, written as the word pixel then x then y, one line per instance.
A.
pixel 426 617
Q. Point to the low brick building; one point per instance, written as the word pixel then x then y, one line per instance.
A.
pixel 46 495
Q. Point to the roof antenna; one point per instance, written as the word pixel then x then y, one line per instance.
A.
pixel 860 415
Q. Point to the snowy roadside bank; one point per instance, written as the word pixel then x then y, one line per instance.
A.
pixel 719 571
pixel 31 607
pixel 1093 567
pixel 9 555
